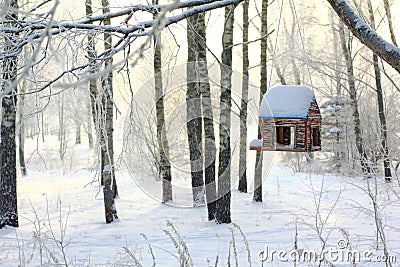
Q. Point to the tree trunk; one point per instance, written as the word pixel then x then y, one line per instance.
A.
pixel 61 129
pixel 338 92
pixel 223 214
pixel 381 107
pixel 242 187
pixel 8 175
pixel 106 125
pixel 193 109
pixel 89 124
pixel 257 196
pixel 21 128
pixel 165 165
pixel 91 54
pixel 390 22
pixel 208 119
pixel 353 96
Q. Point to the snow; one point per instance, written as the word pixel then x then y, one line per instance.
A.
pixel 286 101
pixel 335 130
pixel 61 196
pixel 256 143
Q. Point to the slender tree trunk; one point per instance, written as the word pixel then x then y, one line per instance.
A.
pixel 193 107
pixel 8 158
pixel 208 119
pixel 338 92
pixel 223 214
pixel 106 125
pixel 91 54
pixel 61 130
pixel 257 196
pixel 42 126
pixel 353 96
pixel 381 107
pixel 165 165
pixel 242 187
pixel 21 128
pixel 390 22
pixel 89 124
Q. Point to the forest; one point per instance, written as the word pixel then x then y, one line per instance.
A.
pixel 136 134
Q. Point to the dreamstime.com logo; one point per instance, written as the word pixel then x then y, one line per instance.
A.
pixel 341 254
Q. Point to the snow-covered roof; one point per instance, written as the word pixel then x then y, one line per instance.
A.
pixel 286 101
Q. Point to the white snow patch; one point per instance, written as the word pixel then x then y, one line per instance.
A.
pixel 256 143
pixel 335 130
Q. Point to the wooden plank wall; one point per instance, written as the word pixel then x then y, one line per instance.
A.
pixel 300 136
pixel 268 134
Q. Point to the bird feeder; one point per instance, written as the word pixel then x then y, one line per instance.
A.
pixel 290 120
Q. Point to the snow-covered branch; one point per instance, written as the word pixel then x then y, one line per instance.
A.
pixel 384 49
pixel 33 29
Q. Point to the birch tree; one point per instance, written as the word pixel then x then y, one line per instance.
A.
pixel 390 22
pixel 208 119
pixel 194 122
pixel 106 126
pixel 8 171
pixel 198 78
pixel 385 50
pixel 257 195
pixel 223 214
pixel 242 187
pixel 346 50
pixel 163 147
pixel 381 105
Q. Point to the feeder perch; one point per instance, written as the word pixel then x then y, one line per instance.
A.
pixel 290 120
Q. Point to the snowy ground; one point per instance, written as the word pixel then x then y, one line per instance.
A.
pixel 55 195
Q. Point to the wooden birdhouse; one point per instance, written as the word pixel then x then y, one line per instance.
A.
pixel 290 120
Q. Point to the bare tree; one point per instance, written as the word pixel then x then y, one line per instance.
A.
pixel 91 54
pixel 194 122
pixel 346 49
pixel 257 196
pixel 390 21
pixel 163 147
pixel 8 172
pixel 381 105
pixel 223 214
pixel 106 127
pixel 385 50
pixel 242 187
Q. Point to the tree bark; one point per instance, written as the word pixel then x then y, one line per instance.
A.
pixel 390 22
pixel 257 196
pixel 163 147
pixel 354 103
pixel 242 187
pixel 21 128
pixel 106 138
pixel 381 107
pixel 89 118
pixel 223 214
pixel 208 119
pixel 8 174
pixel 193 108
pixel 366 35
pixel 91 54
pixel 336 44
